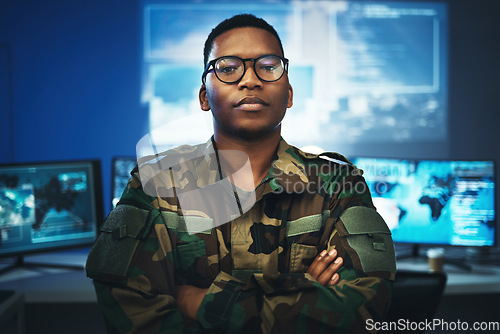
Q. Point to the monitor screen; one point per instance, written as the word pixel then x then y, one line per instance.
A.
pixel 121 168
pixel 49 206
pixel 434 201
pixel 362 72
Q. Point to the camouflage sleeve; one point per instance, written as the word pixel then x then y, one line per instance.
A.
pixel 295 302
pixel 133 271
pixel 145 301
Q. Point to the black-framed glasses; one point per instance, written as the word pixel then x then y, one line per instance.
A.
pixel 230 69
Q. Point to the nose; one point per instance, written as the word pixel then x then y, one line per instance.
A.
pixel 250 79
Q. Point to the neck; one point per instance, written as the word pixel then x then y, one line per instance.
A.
pixel 260 152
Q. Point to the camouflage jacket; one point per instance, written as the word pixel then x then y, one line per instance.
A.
pixel 253 266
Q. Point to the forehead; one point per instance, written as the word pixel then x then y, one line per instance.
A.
pixel 247 42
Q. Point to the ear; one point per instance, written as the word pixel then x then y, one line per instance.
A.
pixel 202 95
pixel 290 96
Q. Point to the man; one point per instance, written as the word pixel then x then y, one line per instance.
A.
pixel 306 252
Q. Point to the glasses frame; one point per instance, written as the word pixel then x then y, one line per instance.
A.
pixel 212 62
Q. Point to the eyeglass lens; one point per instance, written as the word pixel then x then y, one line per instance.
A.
pixel 232 69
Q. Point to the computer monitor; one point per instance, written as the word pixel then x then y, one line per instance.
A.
pixel 365 74
pixel 362 72
pixel 120 174
pixel 49 206
pixel 434 202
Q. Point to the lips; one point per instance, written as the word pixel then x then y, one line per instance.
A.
pixel 251 100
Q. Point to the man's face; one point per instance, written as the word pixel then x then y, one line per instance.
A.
pixel 250 108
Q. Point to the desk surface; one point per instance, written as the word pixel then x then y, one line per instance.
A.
pixel 45 284
pixel 40 284
pixel 481 279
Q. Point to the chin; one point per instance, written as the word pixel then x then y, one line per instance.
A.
pixel 256 134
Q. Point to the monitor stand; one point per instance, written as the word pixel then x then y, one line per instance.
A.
pixel 415 253
pixel 20 263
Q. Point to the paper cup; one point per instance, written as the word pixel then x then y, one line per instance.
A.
pixel 436 259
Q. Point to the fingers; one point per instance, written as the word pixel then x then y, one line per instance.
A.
pixel 329 275
pixel 335 279
pixel 313 267
pixel 325 266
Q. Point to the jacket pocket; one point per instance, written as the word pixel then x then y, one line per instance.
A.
pixel 192 264
pixel 368 238
pixel 112 254
pixel 301 257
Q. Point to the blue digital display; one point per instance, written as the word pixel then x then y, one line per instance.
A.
pixel 362 72
pixel 121 168
pixel 49 205
pixel 434 201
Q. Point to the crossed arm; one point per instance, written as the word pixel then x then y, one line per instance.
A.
pixel 323 269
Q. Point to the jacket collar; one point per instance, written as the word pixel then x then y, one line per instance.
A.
pixel 290 162
pixel 288 170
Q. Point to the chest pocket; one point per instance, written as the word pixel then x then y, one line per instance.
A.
pixel 302 255
pixel 192 264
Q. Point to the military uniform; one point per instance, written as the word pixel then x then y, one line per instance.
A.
pixel 254 266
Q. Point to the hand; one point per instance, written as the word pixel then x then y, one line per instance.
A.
pixel 324 268
pixel 189 298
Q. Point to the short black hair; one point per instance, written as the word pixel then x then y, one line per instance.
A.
pixel 237 21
